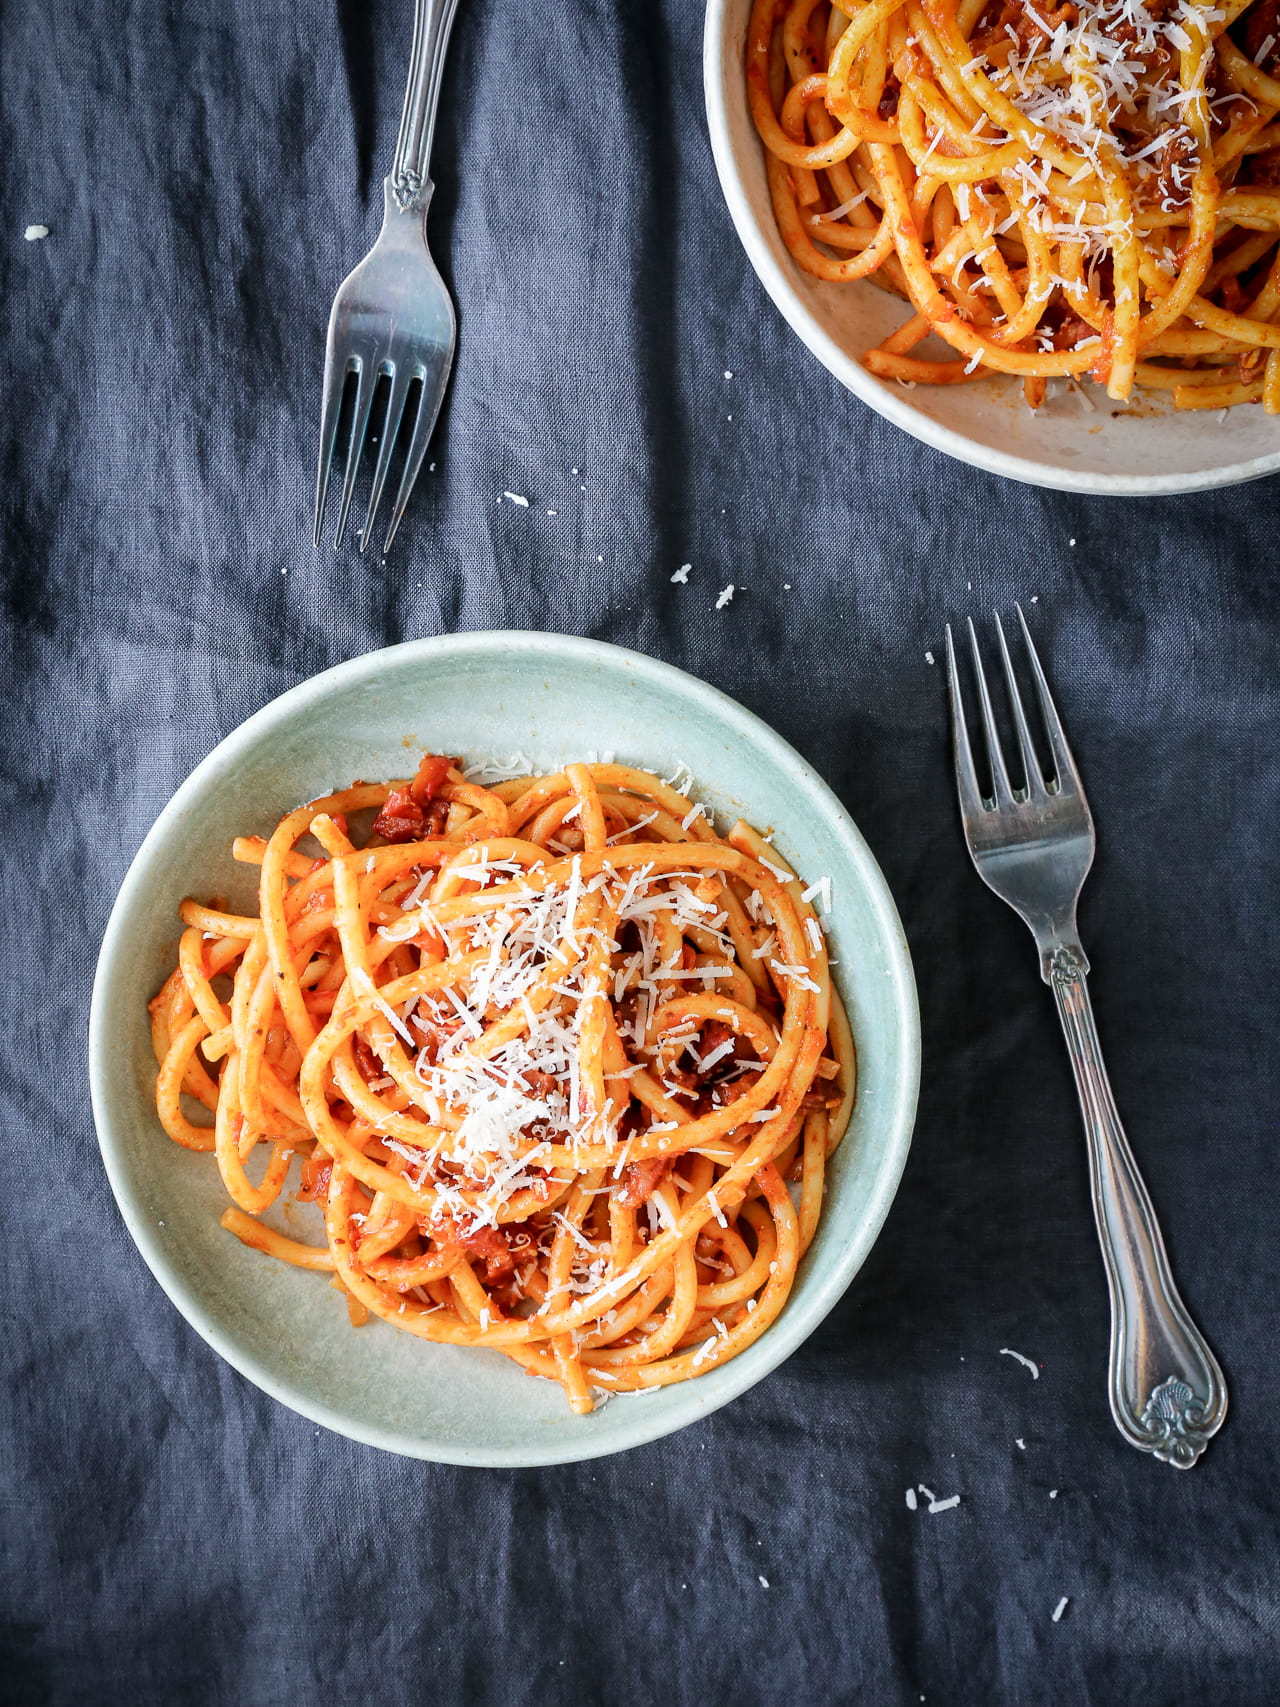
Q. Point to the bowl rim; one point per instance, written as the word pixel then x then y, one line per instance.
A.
pixel 796 1322
pixel 850 372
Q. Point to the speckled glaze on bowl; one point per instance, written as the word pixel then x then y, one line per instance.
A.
pixel 553 699
pixel 1148 451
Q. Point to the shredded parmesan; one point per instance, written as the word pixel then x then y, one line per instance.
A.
pixel 1024 1361
pixel 837 213
pixel 821 892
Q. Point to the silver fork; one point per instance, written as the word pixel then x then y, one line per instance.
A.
pixel 392 315
pixel 1033 845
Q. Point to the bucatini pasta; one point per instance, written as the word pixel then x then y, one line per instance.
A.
pixel 563 1066
pixel 1059 189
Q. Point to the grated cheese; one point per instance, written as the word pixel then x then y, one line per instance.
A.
pixel 834 214
pixel 1025 1361
pixel 821 891
pixel 498 1128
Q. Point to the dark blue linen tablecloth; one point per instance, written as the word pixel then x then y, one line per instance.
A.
pixel 208 171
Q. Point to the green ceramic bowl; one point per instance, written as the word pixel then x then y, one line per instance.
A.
pixel 484 695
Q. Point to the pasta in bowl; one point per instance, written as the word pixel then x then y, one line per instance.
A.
pixel 1075 203
pixel 460 1396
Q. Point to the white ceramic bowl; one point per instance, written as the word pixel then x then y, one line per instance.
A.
pixel 553 699
pixel 1149 450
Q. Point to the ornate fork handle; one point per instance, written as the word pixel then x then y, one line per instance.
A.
pixel 1167 1392
pixel 410 181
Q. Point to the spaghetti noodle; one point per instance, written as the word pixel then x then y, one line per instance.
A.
pixel 1059 189
pixel 550 1052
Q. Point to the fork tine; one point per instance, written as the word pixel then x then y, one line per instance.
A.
pixel 1064 765
pixel 366 385
pixel 999 775
pixel 1030 762
pixel 966 776
pixel 424 421
pixel 400 383
pixel 335 382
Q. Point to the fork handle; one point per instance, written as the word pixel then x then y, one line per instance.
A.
pixel 1166 1389
pixel 410 181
